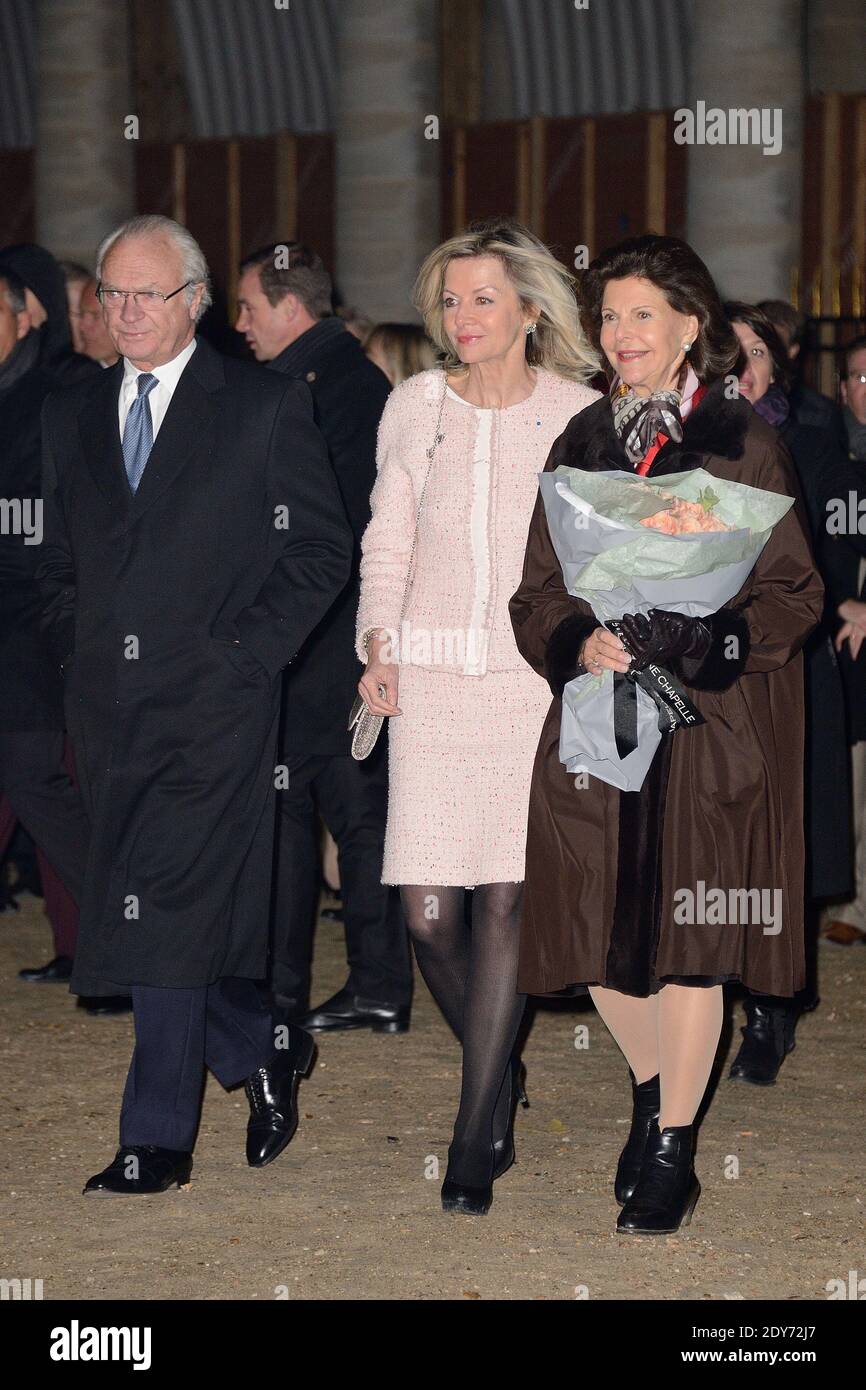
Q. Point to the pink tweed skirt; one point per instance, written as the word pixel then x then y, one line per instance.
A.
pixel 460 764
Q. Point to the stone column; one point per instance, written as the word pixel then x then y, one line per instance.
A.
pixel 387 172
pixel 84 163
pixel 743 205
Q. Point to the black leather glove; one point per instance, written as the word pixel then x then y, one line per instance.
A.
pixel 662 637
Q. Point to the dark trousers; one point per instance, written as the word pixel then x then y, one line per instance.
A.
pixel 35 776
pixel 352 799
pixel 225 1027
pixel 60 906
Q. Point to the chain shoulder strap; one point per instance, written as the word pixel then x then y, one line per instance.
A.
pixel 437 440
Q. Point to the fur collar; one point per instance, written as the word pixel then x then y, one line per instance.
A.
pixel 717 426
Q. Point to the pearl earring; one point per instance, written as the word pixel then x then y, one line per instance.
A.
pixel 686 347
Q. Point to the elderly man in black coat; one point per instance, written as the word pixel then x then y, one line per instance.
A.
pixel 284 302
pixel 32 774
pixel 194 535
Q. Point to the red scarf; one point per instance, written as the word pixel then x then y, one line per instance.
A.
pixel 661 440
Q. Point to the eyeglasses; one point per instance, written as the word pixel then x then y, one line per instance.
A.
pixel 142 299
pixel 857 376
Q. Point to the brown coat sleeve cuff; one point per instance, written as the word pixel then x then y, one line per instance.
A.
pixel 724 661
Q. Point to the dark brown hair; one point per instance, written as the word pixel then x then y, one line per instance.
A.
pixel 304 276
pixel 782 314
pixel 675 269
pixel 856 345
pixel 762 327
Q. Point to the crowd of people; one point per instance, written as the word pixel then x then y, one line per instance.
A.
pixel 204 560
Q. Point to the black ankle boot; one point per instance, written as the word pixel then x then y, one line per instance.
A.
pixel 503 1149
pixel 645 1109
pixel 667 1188
pixel 768 1037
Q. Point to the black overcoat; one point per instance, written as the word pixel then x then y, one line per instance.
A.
pixel 349 394
pixel 824 473
pixel 842 550
pixel 31 689
pixel 181 606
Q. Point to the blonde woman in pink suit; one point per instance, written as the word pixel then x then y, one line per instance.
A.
pixel 441 557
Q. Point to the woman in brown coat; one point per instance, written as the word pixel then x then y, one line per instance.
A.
pixel 644 896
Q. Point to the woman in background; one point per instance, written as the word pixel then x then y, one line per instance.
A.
pixel 765 381
pixel 400 350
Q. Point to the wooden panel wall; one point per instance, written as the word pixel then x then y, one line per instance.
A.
pixel 588 181
pixel 238 195
pixel 17 208
pixel 585 181
pixel 834 206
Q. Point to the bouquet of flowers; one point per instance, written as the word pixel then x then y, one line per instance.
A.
pixel 627 544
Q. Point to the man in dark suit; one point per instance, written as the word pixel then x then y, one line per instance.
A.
pixel 33 778
pixel 285 314
pixel 194 534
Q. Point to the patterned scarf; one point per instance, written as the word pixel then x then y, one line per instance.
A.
pixel 773 406
pixel 638 419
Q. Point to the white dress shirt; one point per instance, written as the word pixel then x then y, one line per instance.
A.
pixel 167 376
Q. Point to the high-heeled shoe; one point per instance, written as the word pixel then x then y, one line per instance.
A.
pixel 503 1149
pixel 667 1189
pixel 645 1108
pixel 472 1201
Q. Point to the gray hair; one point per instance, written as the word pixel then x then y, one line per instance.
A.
pixel 195 267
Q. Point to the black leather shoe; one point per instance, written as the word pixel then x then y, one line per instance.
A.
pixel 768 1037
pixel 289 1008
pixel 272 1094
pixel 645 1108
pixel 667 1189
pixel 103 1005
pixel 55 972
pixel 142 1169
pixel 348 1010
pixel 472 1201
pixel 503 1149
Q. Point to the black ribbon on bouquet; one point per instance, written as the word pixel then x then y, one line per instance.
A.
pixel 676 710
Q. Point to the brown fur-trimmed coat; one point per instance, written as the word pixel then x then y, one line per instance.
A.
pixel 723 802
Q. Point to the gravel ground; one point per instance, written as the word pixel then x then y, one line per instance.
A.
pixel 351 1209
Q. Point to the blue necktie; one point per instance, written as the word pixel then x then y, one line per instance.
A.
pixel 138 432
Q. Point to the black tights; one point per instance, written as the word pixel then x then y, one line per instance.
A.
pixel 472 975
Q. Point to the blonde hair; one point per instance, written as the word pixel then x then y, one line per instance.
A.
pixel 405 346
pixel 542 283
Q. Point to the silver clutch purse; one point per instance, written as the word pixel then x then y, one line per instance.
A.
pixel 366 727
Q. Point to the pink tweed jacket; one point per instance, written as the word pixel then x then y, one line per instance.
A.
pixel 472 534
